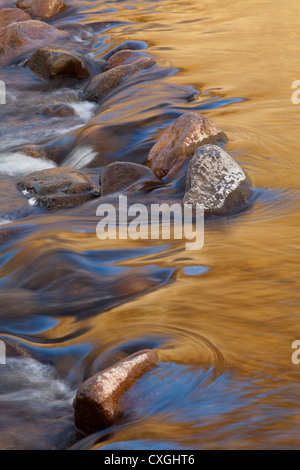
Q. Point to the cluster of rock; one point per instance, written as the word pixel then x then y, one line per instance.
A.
pixel 213 179
pixel 191 146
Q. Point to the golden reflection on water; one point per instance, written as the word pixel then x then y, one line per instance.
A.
pixel 243 314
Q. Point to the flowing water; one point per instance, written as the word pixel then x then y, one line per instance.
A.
pixel 223 318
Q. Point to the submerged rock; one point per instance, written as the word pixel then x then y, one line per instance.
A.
pixel 17 38
pixel 42 9
pixel 121 176
pixel 97 403
pixel 12 15
pixel 179 142
pixel 126 57
pixel 58 188
pixel 99 87
pixel 216 181
pixel 50 62
pixel 58 110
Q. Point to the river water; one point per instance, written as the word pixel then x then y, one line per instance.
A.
pixel 223 318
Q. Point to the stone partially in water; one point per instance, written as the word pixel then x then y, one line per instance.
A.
pixel 126 57
pixel 58 111
pixel 17 38
pixel 216 181
pixel 58 188
pixel 12 15
pixel 101 85
pixel 121 176
pixel 97 401
pixel 49 62
pixel 179 142
pixel 42 9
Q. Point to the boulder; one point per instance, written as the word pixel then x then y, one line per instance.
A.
pixel 42 9
pixel 58 111
pixel 121 176
pixel 58 188
pixel 12 15
pixel 17 38
pixel 101 85
pixel 50 62
pixel 97 403
pixel 126 57
pixel 179 142
pixel 216 181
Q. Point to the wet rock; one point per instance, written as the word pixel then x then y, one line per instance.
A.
pixel 216 181
pixel 121 176
pixel 12 15
pixel 55 150
pixel 17 38
pixel 14 349
pixel 179 142
pixel 58 188
pixel 126 57
pixel 58 110
pixel 42 9
pixel 101 85
pixel 97 401
pixel 127 45
pixel 50 62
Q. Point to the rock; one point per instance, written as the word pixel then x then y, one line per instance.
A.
pixel 12 15
pixel 216 181
pixel 55 150
pixel 14 349
pixel 42 9
pixel 50 62
pixel 97 403
pixel 17 38
pixel 121 176
pixel 58 110
pixel 127 45
pixel 99 87
pixel 179 142
pixel 126 57
pixel 58 188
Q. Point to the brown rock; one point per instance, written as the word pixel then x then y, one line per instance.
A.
pixel 99 87
pixel 126 57
pixel 42 9
pixel 215 181
pixel 58 110
pixel 58 188
pixel 12 15
pixel 17 38
pixel 14 349
pixel 50 62
pixel 179 142
pixel 97 401
pixel 121 176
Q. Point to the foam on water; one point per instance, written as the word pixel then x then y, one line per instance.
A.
pixel 5 221
pixel 18 163
pixel 83 109
pixel 80 157
pixel 36 406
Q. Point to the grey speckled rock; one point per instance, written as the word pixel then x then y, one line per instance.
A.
pixel 121 176
pixel 216 181
pixel 97 401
